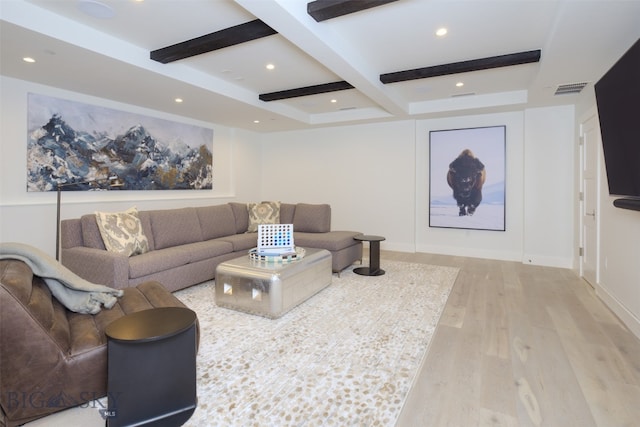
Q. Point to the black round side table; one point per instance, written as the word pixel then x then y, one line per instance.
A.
pixel 151 377
pixel 374 256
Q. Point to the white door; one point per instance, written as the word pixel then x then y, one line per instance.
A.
pixel 588 208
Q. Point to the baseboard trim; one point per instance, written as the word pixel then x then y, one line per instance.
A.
pixel 470 252
pixel 547 261
pixel 627 317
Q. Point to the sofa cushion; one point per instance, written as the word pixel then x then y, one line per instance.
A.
pixel 241 214
pixel 242 242
pixel 146 228
pixel 286 213
pixel 208 249
pixel 174 227
pixel 312 218
pixel 158 260
pixel 91 233
pixel 331 241
pixel 122 232
pixel 216 221
pixel 263 213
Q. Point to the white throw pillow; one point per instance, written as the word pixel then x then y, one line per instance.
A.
pixel 122 232
pixel 262 213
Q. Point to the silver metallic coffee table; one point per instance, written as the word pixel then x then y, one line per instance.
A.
pixel 271 289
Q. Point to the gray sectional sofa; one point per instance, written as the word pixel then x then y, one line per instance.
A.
pixel 185 245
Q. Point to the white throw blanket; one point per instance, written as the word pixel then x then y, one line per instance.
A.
pixel 74 292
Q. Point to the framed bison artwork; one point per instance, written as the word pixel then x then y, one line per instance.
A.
pixel 467 178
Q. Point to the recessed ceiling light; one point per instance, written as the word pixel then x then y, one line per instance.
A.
pixel 256 121
pixel 270 66
pixel 334 101
pixel 178 100
pixel 440 32
pixel 28 59
pixel 459 84
pixel 96 9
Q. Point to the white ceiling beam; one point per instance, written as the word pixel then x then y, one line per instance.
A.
pixel 291 20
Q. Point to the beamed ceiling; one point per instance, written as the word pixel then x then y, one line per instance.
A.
pixel 334 61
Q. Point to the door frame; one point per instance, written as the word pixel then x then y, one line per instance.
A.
pixel 592 145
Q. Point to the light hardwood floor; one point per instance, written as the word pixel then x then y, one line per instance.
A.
pixel 522 345
pixel 517 345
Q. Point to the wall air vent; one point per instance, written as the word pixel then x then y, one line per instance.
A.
pixel 570 88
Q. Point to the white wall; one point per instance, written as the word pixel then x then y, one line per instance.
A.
pixel 30 217
pixel 375 177
pixel 366 172
pixel 549 186
pixel 619 251
pixel 619 261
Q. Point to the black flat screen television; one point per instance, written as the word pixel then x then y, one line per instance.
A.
pixel 618 101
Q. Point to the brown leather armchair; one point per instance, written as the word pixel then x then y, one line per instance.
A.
pixel 51 358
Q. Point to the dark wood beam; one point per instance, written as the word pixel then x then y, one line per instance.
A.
pixel 321 10
pixel 305 91
pixel 462 67
pixel 220 39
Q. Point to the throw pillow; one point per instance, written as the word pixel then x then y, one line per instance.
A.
pixel 122 232
pixel 312 218
pixel 262 213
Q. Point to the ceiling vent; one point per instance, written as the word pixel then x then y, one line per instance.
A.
pixel 570 88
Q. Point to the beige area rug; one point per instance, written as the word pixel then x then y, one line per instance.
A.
pixel 346 357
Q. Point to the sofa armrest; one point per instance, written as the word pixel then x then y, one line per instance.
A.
pixel 98 266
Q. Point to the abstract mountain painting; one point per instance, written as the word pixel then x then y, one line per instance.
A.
pixel 72 142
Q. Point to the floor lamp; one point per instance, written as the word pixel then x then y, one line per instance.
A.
pixel 114 182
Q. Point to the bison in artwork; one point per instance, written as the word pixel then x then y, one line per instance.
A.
pixel 466 176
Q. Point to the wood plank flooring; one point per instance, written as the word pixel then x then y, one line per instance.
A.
pixel 522 345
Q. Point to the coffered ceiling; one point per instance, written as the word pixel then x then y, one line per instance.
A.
pixel 105 48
